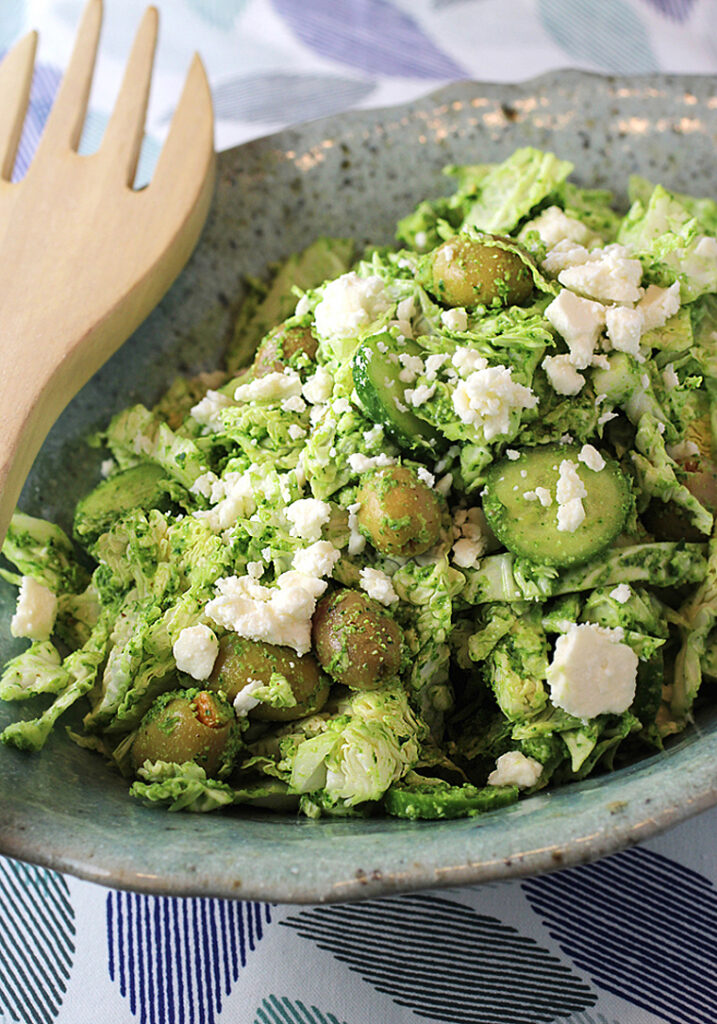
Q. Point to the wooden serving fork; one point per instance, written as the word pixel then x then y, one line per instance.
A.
pixel 84 257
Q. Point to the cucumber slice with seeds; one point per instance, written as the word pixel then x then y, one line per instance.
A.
pixel 530 529
pixel 382 394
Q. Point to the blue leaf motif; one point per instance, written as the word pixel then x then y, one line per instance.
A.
pixel 608 35
pixel 174 959
pixel 36 942
pixel 287 1011
pixel 12 21
pixel 284 98
pixel 642 926
pixel 45 81
pixel 220 13
pixel 368 34
pixel 445 961
pixel 678 10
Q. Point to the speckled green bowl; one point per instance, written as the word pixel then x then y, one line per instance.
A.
pixel 353 174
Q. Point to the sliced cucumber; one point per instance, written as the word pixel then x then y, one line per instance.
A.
pixel 530 529
pixel 138 487
pixel 382 393
pixel 437 799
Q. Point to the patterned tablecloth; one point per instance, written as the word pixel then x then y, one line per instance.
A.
pixel 630 940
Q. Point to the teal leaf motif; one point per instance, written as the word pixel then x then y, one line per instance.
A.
pixel 12 21
pixel 445 961
pixel 220 13
pixel 609 35
pixel 286 1011
pixel 37 942
pixel 283 98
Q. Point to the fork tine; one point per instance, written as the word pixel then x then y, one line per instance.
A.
pixel 123 137
pixel 15 83
pixel 189 145
pixel 67 117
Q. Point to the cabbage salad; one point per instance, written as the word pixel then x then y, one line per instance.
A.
pixel 437 537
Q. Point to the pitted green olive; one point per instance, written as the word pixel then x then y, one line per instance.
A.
pixel 280 345
pixel 187 725
pixel 472 272
pixel 240 661
pixel 398 513
pixel 356 640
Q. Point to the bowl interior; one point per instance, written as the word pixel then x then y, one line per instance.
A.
pixel 348 175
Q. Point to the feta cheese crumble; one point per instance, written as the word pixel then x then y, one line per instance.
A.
pixel 515 769
pixel 318 559
pixel 318 387
pixel 621 593
pixel 35 611
pixel 624 328
pixel 350 304
pixel 564 378
pixel 591 457
pixel 488 397
pixel 378 586
pixel 658 304
pixel 455 319
pixel 609 275
pixel 592 672
pixel 195 650
pixel 307 516
pixel 579 321
pixel 273 387
pixel 277 615
pixel 569 492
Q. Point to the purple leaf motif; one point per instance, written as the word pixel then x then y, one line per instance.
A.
pixel 282 98
pixel 678 10
pixel 368 34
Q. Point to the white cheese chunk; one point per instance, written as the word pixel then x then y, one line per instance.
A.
pixel 608 274
pixel 624 327
pixel 621 593
pixel 318 559
pixel 455 319
pixel 378 586
pixel 564 378
pixel 658 304
pixel 554 225
pixel 488 397
pixel 350 304
pixel 307 516
pixel 592 672
pixel 569 492
pixel 591 457
pixel 278 615
pixel 244 702
pixel 318 387
pixel 195 650
pixel 35 612
pixel 515 769
pixel 273 387
pixel 580 322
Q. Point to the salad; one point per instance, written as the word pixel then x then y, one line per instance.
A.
pixel 437 537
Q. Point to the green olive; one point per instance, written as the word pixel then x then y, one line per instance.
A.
pixel 474 272
pixel 398 513
pixel 356 640
pixel 187 725
pixel 240 660
pixel 280 345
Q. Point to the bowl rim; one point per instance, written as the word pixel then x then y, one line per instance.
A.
pixel 603 828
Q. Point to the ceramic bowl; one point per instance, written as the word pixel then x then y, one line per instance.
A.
pixel 354 174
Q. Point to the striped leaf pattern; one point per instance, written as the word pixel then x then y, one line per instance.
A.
pixel 288 1011
pixel 282 97
pixel 36 942
pixel 642 926
pixel 445 961
pixel 369 34
pixel 678 10
pixel 608 35
pixel 44 86
pixel 175 959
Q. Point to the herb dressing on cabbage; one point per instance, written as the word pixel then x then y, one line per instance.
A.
pixel 437 537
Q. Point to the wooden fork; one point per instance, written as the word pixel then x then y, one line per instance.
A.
pixel 83 256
